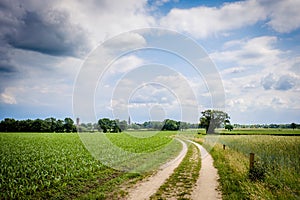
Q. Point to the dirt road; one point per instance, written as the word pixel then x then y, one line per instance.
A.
pixel 146 188
pixel 207 183
pixel 206 187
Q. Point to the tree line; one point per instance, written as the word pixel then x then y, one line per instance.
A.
pixel 115 126
pixel 38 125
pixel 110 125
pixel 210 120
pixel 279 126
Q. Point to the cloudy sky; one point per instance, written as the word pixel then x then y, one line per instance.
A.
pixel 252 46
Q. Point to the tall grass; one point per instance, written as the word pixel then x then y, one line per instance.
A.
pixel 278 156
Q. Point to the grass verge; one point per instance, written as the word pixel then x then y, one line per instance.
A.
pixel 279 182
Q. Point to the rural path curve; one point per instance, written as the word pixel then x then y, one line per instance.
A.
pixel 207 183
pixel 147 188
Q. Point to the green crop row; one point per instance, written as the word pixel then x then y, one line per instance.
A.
pixel 52 165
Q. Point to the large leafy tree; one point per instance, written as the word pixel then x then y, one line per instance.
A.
pixel 171 125
pixel 105 124
pixel 212 119
pixel 69 125
pixel 108 125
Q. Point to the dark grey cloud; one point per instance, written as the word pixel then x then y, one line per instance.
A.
pixel 284 82
pixel 46 31
pixel 7 68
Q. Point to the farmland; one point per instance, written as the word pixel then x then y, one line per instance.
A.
pixel 60 166
pixel 277 165
pixel 261 131
pixel 52 165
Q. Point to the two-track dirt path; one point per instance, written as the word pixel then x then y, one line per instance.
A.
pixel 207 183
pixel 206 187
pixel 147 188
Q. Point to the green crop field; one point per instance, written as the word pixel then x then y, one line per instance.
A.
pixel 52 165
pixel 276 172
pixel 59 165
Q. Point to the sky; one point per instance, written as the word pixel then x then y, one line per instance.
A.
pixel 150 60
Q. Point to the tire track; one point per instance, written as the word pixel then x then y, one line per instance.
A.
pixel 147 188
pixel 207 183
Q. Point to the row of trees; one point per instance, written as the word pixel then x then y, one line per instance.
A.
pixel 38 125
pixel 280 126
pixel 149 125
pixel 210 120
pixel 115 126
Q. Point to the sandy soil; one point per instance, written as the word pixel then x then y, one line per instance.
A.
pixel 207 183
pixel 147 188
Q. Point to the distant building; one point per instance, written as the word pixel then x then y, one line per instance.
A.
pixel 129 120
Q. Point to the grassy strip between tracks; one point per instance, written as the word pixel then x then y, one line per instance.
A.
pixel 181 183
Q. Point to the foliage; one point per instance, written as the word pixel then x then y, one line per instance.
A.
pixel 258 172
pixel 108 125
pixel 229 127
pixel 157 125
pixel 293 125
pixel 276 167
pixel 122 124
pixel 38 125
pixel 212 119
pixel 89 127
pixel 171 125
pixel 69 125
pixel 272 126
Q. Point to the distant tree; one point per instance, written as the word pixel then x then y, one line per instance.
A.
pixel 147 124
pixel 51 124
pixel 157 125
pixel 171 125
pixel 122 125
pixel 105 124
pixel 39 125
pixel 229 127
pixel 293 125
pixel 108 125
pixel 59 128
pixel 212 119
pixel 69 125
pixel 115 127
pixel 135 126
pixel 96 127
pixel 8 125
